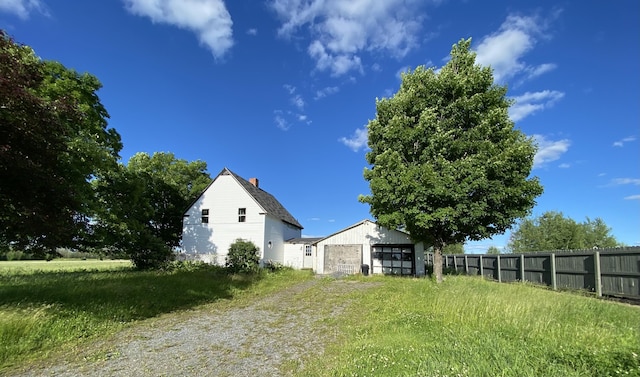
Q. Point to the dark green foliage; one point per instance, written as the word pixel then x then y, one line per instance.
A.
pixel 141 206
pixel 53 139
pixel 552 231
pixel 447 163
pixel 243 256
pixel 456 248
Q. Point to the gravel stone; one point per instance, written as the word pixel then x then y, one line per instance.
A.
pixel 249 341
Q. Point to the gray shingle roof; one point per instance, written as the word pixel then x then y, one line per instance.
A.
pixel 267 201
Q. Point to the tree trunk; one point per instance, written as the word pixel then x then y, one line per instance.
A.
pixel 437 263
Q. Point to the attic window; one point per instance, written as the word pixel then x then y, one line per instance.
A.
pixel 205 216
pixel 242 215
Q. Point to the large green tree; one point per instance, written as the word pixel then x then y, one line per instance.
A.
pixel 53 139
pixel 142 203
pixel 447 164
pixel 553 231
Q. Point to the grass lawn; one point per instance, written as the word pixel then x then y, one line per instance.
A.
pixel 45 310
pixel 471 327
pixel 70 264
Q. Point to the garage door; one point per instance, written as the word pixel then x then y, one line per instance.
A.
pixel 342 258
pixel 393 259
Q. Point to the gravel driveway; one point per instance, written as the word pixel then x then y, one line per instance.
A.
pixel 269 337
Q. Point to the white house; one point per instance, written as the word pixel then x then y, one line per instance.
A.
pixel 231 208
pixel 383 250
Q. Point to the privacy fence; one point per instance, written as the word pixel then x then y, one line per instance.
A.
pixel 611 272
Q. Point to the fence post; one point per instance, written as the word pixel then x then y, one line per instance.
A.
pixel 455 263
pixel 596 263
pixel 481 267
pixel 466 265
pixel 499 272
pixel 522 268
pixel 553 272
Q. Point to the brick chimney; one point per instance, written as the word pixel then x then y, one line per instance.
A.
pixel 254 181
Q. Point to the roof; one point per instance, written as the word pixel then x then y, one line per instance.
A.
pixel 354 226
pixel 309 240
pixel 267 201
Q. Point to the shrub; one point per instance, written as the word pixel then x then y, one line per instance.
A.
pixel 243 257
pixel 273 266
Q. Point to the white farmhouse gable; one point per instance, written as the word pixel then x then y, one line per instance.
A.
pixel 231 208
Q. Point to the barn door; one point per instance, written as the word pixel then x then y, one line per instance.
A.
pixel 342 258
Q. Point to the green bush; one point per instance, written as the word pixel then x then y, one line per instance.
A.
pixel 243 257
pixel 273 266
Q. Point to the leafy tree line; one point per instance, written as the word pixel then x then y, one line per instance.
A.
pixel 61 180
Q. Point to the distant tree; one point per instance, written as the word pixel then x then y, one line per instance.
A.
pixel 553 231
pixel 142 203
pixel 243 257
pixel 493 250
pixel 447 164
pixel 456 248
pixel 53 139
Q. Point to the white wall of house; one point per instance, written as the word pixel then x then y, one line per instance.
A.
pixel 366 234
pixel 210 241
pixel 293 255
pixel 275 233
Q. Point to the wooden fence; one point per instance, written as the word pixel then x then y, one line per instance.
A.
pixel 611 272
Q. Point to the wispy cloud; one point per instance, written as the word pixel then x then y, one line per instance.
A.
pixel 252 31
pixel 23 8
pixel 327 91
pixel 625 181
pixel 342 30
pixel 531 102
pixel 280 121
pixel 208 19
pixel 564 166
pixel 549 150
pixel 621 142
pixel 504 49
pixel 357 141
pixel 632 197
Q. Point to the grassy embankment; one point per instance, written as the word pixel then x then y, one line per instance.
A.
pixel 50 307
pixel 471 327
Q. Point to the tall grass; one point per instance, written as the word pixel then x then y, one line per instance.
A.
pixel 45 311
pixel 471 327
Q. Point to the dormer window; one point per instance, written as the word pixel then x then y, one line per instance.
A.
pixel 242 215
pixel 205 216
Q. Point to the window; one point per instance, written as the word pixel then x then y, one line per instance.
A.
pixel 242 215
pixel 205 216
pixel 307 250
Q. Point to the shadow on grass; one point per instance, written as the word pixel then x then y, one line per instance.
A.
pixel 121 296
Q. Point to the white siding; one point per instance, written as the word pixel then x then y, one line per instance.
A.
pixel 368 233
pixel 293 255
pixel 276 232
pixel 211 241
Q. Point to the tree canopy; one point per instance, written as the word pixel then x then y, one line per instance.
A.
pixel 446 162
pixel 53 139
pixel 553 231
pixel 141 205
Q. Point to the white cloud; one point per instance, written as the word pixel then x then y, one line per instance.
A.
pixel 632 197
pixel 280 121
pixel 208 19
pixel 298 101
pixel 22 8
pixel 504 49
pixel 358 141
pixel 531 102
pixel 564 166
pixel 252 31
pixel 343 29
pixel 549 150
pixel 625 181
pixel 329 90
pixel 621 142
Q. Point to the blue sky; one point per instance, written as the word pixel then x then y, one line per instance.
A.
pixel 282 90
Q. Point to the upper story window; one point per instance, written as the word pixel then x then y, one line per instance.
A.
pixel 242 215
pixel 205 216
pixel 307 250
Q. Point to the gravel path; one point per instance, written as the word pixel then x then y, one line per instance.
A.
pixel 276 331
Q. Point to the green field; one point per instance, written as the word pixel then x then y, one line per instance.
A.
pixel 401 327
pixel 71 264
